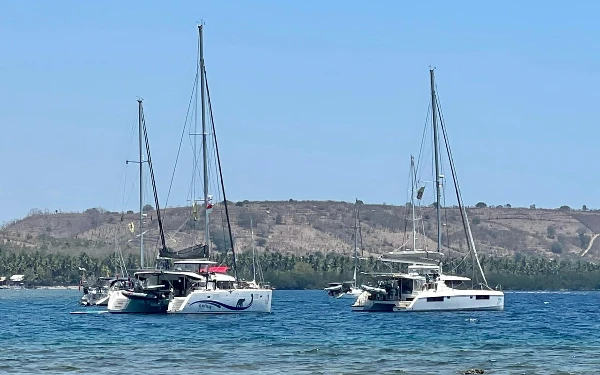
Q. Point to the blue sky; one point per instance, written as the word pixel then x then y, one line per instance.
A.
pixel 312 100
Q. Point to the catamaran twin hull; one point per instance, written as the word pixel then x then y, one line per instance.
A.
pixel 124 302
pixel 352 294
pixel 233 301
pixel 463 300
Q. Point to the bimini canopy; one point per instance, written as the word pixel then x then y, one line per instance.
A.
pixel 192 252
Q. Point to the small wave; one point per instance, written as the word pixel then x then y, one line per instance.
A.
pixel 309 351
pixel 66 368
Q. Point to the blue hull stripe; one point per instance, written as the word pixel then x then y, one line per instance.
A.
pixel 220 304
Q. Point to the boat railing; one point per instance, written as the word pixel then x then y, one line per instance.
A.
pixel 483 286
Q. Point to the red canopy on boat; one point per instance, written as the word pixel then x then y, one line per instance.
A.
pixel 218 269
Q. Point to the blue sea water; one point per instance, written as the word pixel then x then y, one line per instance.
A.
pixel 307 333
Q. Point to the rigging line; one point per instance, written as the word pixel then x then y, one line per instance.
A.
pixel 462 260
pixel 425 127
pixel 415 211
pixel 405 208
pixel 223 226
pixel 133 185
pixel 401 246
pixel 214 185
pixel 451 161
pixel 124 170
pixel 442 169
pixel 446 217
pixel 158 217
pixel 195 170
pixel 146 183
pixel 422 228
pixel 221 175
pixel 185 123
pixel 199 62
pixel 470 241
pixel 220 199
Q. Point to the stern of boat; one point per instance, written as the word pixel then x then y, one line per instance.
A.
pixel 117 302
pixel 176 304
pixel 126 302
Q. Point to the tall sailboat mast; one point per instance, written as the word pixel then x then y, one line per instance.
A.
pixel 140 123
pixel 253 252
pixel 437 161
pixel 413 180
pixel 355 240
pixel 204 151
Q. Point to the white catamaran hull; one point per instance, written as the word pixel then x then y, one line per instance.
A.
pixel 135 304
pixel 103 301
pixel 351 294
pixel 449 300
pixel 233 301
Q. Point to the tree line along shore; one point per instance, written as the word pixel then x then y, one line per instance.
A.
pixel 313 271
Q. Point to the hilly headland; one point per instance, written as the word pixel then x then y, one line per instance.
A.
pixel 303 244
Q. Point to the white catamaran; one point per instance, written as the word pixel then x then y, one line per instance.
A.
pixel 424 287
pixel 221 293
pixel 150 289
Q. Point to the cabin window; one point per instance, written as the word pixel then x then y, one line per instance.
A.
pixel 435 299
pixel 482 297
pixel 456 283
pixel 225 284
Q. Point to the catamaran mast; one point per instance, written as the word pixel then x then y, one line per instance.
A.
pixel 204 151
pixel 412 200
pixel 437 160
pixel 140 124
pixel 253 252
pixel 355 240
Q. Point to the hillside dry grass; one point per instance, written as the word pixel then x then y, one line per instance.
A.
pixel 302 227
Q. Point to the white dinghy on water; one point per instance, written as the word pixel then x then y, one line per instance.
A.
pixel 424 287
pixel 221 293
